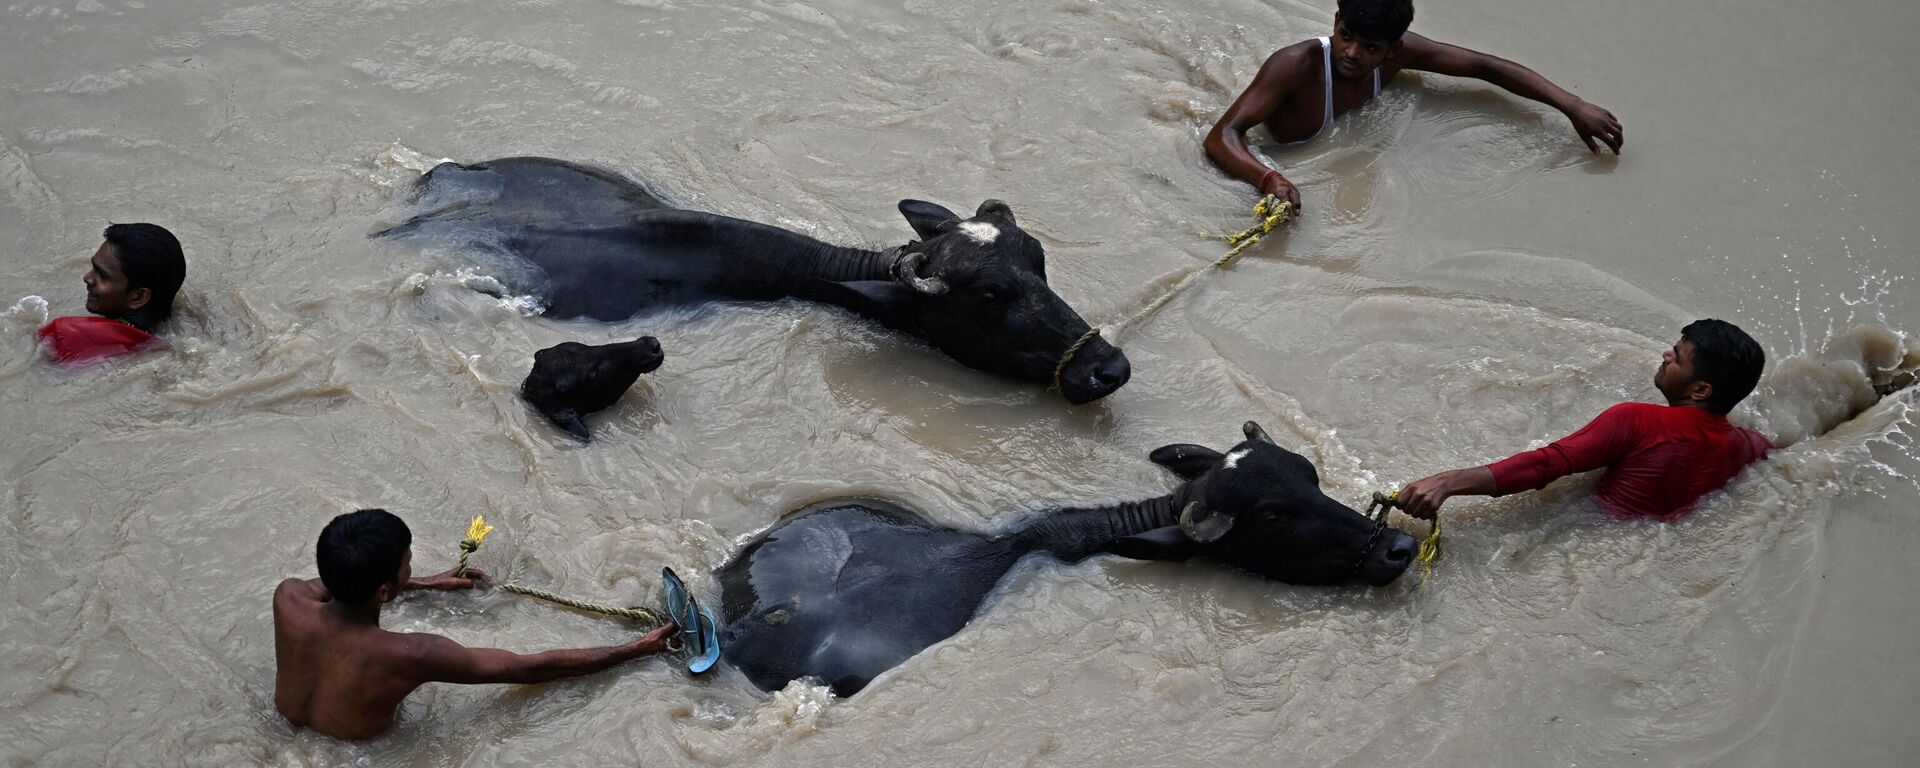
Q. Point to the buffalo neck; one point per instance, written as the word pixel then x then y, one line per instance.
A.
pixel 1075 533
pixel 767 262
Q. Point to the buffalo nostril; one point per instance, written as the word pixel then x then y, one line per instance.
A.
pixel 1112 373
pixel 1401 550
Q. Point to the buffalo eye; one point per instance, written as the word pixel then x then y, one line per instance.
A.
pixel 991 294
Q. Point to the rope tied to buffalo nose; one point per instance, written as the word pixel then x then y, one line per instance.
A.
pixel 1429 550
pixel 477 532
pixel 1268 215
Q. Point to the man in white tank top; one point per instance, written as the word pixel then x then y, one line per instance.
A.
pixel 1302 87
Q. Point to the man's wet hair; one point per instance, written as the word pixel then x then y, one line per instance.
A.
pixel 152 259
pixel 1727 358
pixel 1384 20
pixel 359 551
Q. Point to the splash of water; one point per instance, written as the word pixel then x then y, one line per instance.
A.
pixel 1812 394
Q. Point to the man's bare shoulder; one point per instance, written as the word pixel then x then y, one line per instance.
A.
pixel 422 654
pixel 295 592
pixel 1297 56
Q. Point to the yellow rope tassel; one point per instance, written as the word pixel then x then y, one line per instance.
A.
pixel 1268 215
pixel 1429 551
pixel 477 532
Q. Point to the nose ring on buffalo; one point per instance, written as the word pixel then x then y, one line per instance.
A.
pixel 1103 379
pixel 1067 356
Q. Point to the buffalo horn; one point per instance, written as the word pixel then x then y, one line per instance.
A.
pixel 910 272
pixel 1203 525
pixel 1254 432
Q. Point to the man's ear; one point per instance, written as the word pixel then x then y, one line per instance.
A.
pixel 385 593
pixel 1158 544
pixel 138 298
pixel 927 219
pixel 1186 459
pixel 1699 390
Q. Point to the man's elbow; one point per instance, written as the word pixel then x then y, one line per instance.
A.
pixel 1216 143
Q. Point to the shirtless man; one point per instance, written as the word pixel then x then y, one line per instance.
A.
pixel 339 673
pixel 1302 87
pixel 1659 458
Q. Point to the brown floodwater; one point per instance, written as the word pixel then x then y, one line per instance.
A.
pixel 1467 281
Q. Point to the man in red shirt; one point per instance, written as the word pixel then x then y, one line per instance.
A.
pixel 131 282
pixel 1659 459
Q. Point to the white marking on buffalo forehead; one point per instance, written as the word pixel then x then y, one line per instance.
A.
pixel 979 231
pixel 1233 459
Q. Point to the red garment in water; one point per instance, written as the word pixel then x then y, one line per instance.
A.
pixel 82 338
pixel 1659 458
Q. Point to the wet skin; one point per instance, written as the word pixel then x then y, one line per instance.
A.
pixel 337 672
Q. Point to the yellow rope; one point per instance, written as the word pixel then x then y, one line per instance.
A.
pixel 636 613
pixel 1429 547
pixel 477 532
pixel 1268 215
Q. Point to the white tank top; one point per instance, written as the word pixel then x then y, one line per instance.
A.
pixel 1326 78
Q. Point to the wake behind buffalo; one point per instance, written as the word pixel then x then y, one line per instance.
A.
pixel 591 244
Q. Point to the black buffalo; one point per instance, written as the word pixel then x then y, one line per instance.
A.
pixel 592 244
pixel 845 590
pixel 570 380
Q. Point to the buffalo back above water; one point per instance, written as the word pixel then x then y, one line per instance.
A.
pixel 592 244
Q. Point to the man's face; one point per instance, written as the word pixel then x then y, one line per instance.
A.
pixel 1355 56
pixel 108 293
pixel 406 572
pixel 1675 375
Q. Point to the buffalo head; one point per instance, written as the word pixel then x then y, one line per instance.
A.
pixel 570 380
pixel 977 289
pixel 1259 507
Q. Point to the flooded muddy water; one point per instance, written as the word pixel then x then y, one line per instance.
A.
pixel 1467 281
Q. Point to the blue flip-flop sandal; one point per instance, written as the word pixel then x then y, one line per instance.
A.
pixel 697 624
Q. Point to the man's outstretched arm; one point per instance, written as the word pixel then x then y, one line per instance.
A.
pixel 442 660
pixel 1598 444
pixel 1422 498
pixel 1227 143
pixel 1595 125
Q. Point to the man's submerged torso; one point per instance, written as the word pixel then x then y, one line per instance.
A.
pixel 1311 109
pixel 1659 459
pixel 1679 456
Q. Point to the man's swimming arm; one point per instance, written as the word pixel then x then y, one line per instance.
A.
pixel 1589 119
pixel 439 659
pixel 1227 142
pixel 440 582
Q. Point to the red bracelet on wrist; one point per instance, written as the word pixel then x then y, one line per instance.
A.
pixel 1270 174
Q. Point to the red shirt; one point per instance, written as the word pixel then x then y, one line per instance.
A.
pixel 81 338
pixel 1659 458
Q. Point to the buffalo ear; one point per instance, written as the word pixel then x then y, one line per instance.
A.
pixel 1186 459
pixel 1158 544
pixel 927 219
pixel 569 420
